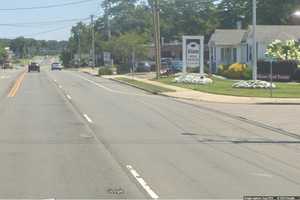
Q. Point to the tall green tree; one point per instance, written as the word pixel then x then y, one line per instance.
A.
pixel 269 12
pixel 191 17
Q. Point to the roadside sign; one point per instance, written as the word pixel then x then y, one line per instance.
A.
pixel 106 56
pixel 193 53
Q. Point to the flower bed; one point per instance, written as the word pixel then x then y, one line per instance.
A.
pixel 253 84
pixel 193 79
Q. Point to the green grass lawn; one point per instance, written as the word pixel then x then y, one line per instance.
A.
pixel 224 87
pixel 148 87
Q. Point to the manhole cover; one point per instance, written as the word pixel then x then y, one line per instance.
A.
pixel 117 191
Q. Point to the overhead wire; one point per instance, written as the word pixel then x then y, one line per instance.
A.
pixel 40 23
pixel 47 6
pixel 48 31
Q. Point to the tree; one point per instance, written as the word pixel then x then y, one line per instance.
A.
pixel 123 46
pixel 2 53
pixel 66 58
pixel 269 12
pixel 192 17
pixel 289 50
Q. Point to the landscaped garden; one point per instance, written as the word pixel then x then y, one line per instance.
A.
pixel 235 79
pixel 224 87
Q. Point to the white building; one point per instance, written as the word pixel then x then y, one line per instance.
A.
pixel 235 45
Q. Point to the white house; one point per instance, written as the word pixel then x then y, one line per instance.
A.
pixel 225 47
pixel 235 45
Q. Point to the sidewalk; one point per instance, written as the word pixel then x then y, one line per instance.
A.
pixel 89 70
pixel 187 94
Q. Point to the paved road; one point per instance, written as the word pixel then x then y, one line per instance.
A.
pixel 70 135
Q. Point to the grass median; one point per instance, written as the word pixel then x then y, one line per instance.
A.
pixel 224 87
pixel 145 86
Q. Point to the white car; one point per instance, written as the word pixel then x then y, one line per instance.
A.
pixel 56 66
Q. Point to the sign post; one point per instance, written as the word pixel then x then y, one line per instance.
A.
pixel 107 58
pixel 193 53
pixel 271 60
pixel 271 73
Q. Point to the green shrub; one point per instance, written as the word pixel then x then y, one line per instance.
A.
pixel 234 71
pixel 104 71
pixel 247 74
pixel 124 69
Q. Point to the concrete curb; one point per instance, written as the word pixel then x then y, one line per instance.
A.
pixel 132 85
pixel 202 100
pixel 275 102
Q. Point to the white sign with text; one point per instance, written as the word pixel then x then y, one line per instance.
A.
pixel 193 53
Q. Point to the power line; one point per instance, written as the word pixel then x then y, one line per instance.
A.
pixel 43 22
pixel 48 31
pixel 53 30
pixel 47 6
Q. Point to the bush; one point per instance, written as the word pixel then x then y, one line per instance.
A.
pixel 104 71
pixel 124 68
pixel 296 76
pixel 248 74
pixel 235 71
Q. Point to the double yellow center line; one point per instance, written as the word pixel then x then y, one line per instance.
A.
pixel 16 86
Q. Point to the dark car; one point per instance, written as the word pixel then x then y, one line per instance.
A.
pixel 143 66
pixel 34 67
pixel 166 62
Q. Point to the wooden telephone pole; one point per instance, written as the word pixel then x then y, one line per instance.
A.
pixel 156 25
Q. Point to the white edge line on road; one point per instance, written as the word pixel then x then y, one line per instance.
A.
pixel 88 119
pixel 108 89
pixel 69 97
pixel 142 182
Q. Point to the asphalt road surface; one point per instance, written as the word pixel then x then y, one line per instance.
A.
pixel 68 135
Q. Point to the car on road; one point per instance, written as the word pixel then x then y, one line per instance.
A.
pixel 33 67
pixel 56 66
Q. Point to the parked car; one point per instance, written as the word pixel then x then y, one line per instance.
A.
pixel 166 72
pixel 166 62
pixel 177 66
pixel 143 66
pixel 34 67
pixel 56 66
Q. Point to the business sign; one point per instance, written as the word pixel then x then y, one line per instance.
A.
pixel 193 53
pixel 106 56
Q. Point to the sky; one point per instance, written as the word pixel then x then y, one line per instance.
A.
pixel 62 29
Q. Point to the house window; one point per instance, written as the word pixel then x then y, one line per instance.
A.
pixel 234 54
pixel 247 54
pixel 228 55
pixel 222 54
pixel 250 53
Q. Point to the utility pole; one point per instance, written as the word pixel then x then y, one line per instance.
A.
pixel 107 10
pixel 156 24
pixel 79 48
pixel 254 46
pixel 93 41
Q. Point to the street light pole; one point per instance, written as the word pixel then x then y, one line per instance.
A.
pixel 93 41
pixel 254 46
